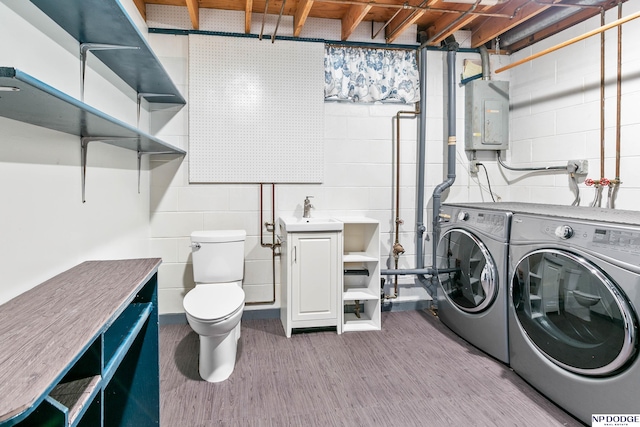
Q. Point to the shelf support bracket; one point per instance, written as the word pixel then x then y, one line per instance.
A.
pixel 85 48
pixel 84 146
pixel 148 95
pixel 140 153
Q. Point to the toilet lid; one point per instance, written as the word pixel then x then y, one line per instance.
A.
pixel 214 301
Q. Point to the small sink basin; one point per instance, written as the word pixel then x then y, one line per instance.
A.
pixel 292 224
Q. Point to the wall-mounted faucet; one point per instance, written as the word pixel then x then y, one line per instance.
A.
pixel 307 207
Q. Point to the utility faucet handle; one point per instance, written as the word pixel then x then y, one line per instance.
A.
pixel 308 197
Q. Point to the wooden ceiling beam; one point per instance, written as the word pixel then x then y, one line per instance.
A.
pixel 142 8
pixel 352 19
pixel 401 23
pixel 194 13
pixel 248 8
pixel 405 19
pixel 449 23
pixel 302 12
pixel 489 28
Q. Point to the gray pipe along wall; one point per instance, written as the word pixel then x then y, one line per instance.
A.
pixel 421 271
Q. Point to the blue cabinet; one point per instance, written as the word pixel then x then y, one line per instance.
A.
pixel 78 369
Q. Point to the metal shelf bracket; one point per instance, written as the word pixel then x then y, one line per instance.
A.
pixel 85 48
pixel 140 153
pixel 84 146
pixel 149 95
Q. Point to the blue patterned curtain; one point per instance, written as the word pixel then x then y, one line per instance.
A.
pixel 371 75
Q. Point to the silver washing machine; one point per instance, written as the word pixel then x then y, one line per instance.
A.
pixel 573 301
pixel 472 273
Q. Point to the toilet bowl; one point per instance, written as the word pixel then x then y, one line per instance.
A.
pixel 214 307
pixel 214 312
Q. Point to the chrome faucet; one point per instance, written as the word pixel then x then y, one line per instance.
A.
pixel 307 207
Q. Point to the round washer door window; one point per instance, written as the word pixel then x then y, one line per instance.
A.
pixel 573 313
pixel 466 271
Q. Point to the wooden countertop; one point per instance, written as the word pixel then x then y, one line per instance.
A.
pixel 43 330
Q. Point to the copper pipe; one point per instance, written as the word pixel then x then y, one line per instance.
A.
pixel 407 18
pixel 397 247
pixel 264 16
pixel 602 93
pixel 451 25
pixel 273 245
pixel 273 36
pixel 618 97
pixel 386 24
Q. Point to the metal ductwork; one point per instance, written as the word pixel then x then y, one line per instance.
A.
pixel 546 20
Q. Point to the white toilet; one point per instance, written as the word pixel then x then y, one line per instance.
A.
pixel 214 307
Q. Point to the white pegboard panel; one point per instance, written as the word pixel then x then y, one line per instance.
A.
pixel 256 110
pixel 161 16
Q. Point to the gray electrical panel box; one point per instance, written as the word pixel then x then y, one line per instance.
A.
pixel 486 115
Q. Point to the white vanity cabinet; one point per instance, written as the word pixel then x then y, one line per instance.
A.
pixel 311 280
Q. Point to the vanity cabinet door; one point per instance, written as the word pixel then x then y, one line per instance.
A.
pixel 314 268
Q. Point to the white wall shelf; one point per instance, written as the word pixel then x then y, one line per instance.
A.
pixel 106 22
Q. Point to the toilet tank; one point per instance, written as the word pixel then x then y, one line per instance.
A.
pixel 218 255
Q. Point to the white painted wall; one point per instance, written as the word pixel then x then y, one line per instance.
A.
pixel 359 167
pixel 44 226
pixel 46 229
pixel 555 114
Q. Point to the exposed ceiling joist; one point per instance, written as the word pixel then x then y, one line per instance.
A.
pixel 520 11
pixel 352 19
pixel 299 19
pixel 194 13
pixel 142 8
pixel 487 20
pixel 248 7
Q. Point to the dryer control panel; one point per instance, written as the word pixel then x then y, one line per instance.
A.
pixel 619 242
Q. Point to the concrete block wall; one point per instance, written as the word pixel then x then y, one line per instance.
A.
pixel 44 225
pixel 359 173
pixel 555 113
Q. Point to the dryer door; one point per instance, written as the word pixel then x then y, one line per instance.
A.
pixel 466 271
pixel 573 312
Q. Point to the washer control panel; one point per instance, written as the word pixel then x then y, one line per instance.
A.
pixel 564 232
pixel 604 237
pixel 494 223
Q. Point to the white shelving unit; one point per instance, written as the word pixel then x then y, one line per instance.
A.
pixel 361 269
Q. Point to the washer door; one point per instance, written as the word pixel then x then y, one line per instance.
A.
pixel 573 313
pixel 466 271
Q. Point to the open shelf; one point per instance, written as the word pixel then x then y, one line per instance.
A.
pixel 353 323
pixel 77 395
pixel 84 349
pixel 358 257
pixel 31 101
pixel 353 294
pixel 361 274
pixel 121 334
pixel 106 22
